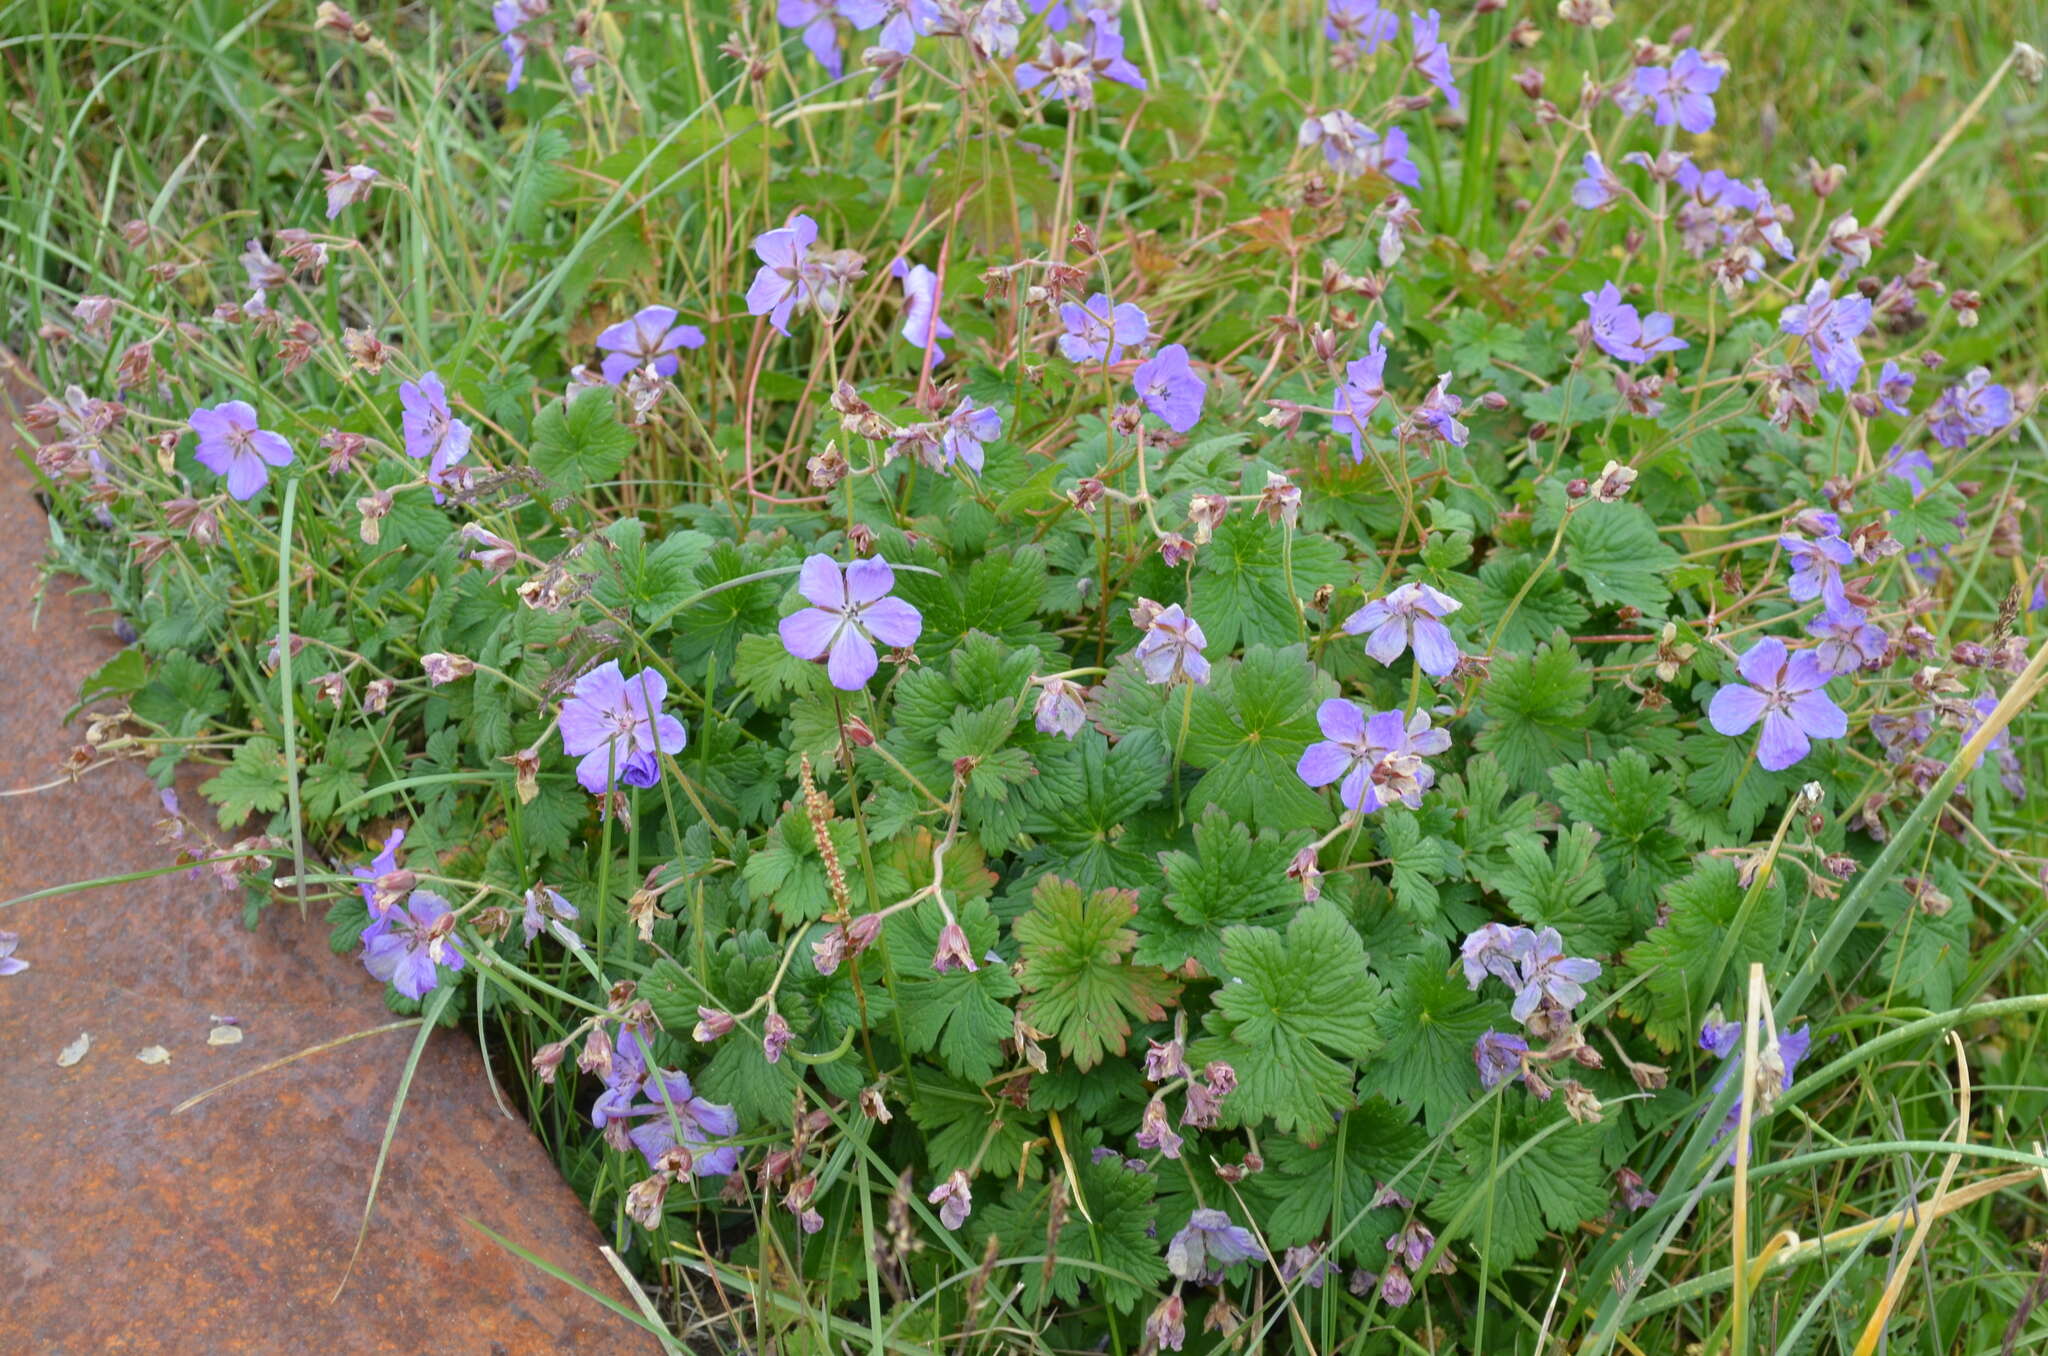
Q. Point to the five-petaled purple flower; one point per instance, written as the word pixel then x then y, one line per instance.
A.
pixel 1723 1039
pixel 1978 407
pixel 964 434
pixel 231 445
pixel 665 1104
pixel 614 726
pixel 1170 389
pixel 922 327
pixel 1354 150
pixel 1621 333
pixel 1549 974
pixel 548 910
pixel 1100 330
pixel 1208 1244
pixel 1598 187
pixel 1788 693
pixel 1437 416
pixel 432 432
pixel 409 948
pixel 1431 57
pixel 1362 22
pixel 1848 640
pixel 383 864
pixel 1069 70
pixel 795 276
pixel 1363 388
pixel 1171 648
pixel 1409 616
pixel 849 611
pixel 1683 92
pixel 1830 325
pixel 1376 760
pixel 1817 568
pixel 649 339
pixel 1895 387
pixel 1498 1056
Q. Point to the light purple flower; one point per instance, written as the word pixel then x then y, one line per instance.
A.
pixel 1069 70
pixel 1376 760
pixel 1724 1039
pixel 1171 648
pixel 546 910
pixel 676 1114
pixel 1209 1243
pixel 1498 1056
pixel 820 32
pixel 1912 466
pixel 231 445
pixel 794 276
pixel 954 1198
pixel 1817 568
pixel 1362 22
pixel 1848 641
pixel 922 327
pixel 383 864
pixel 1354 150
pixel 1830 325
pixel 1621 333
pixel 432 432
pixel 1101 330
pixel 964 435
pixel 1895 387
pixel 1547 973
pixel 1437 416
pixel 850 610
pixel 1360 394
pixel 1978 408
pixel 510 16
pixel 649 339
pixel 1431 57
pixel 348 186
pixel 1061 708
pixel 614 726
pixel 1170 389
pixel 408 949
pixel 1788 693
pixel 1409 616
pixel 1496 949
pixel 11 964
pixel 1683 92
pixel 1599 187
pixel 903 22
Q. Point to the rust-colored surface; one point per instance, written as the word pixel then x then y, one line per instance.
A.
pixel 226 1228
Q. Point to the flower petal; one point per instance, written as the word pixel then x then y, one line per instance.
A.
pixel 1783 743
pixel 808 634
pixel 1736 708
pixel 892 621
pixel 821 583
pixel 852 660
pixel 868 580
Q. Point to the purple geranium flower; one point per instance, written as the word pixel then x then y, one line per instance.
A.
pixel 346 187
pixel 614 726
pixel 1170 389
pixel 1912 466
pixel 1978 408
pixel 1599 187
pixel 1101 330
pixel 1495 949
pixel 649 339
pixel 1376 760
pixel 850 610
pixel 922 327
pixel 1409 616
pixel 1848 641
pixel 1817 568
pixel 1895 387
pixel 547 910
pixel 1788 693
pixel 231 445
pixel 409 948
pixel 1724 1039
pixel 1431 57
pixel 965 433
pixel 1437 416
pixel 1209 1243
pixel 1353 149
pixel 432 432
pixel 820 32
pixel 676 1114
pixel 1830 325
pixel 1363 388
pixel 796 277
pixel 1171 647
pixel 1547 973
pixel 383 864
pixel 1069 70
pixel 1682 92
pixel 1362 22
pixel 510 16
pixel 1621 333
pixel 10 964
pixel 1499 1057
